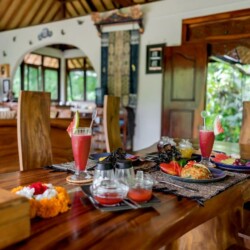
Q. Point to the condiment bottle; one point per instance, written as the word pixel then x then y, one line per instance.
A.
pixel 186 148
pixel 124 171
pixel 103 171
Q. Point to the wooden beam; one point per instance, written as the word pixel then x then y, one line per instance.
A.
pixel 91 6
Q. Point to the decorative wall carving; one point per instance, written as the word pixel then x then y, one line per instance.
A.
pixel 118 17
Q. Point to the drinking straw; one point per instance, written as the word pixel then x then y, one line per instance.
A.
pixel 204 115
pixel 94 114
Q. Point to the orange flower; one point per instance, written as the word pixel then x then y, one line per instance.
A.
pixel 47 207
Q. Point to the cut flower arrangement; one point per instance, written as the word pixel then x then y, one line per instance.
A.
pixel 45 200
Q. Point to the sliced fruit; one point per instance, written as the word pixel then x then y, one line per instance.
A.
pixel 218 129
pixel 76 120
pixel 228 161
pixel 102 158
pixel 172 168
pixel 74 124
pixel 220 157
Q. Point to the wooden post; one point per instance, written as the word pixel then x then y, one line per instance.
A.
pixel 245 132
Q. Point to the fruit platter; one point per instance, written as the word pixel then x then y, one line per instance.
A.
pixel 174 166
pixel 230 162
pixel 191 172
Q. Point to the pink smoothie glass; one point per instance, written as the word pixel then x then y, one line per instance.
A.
pixel 206 139
pixel 81 141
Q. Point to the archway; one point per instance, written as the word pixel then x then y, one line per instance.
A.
pixel 57 63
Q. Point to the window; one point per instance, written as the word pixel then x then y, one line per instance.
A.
pixel 81 80
pixel 38 73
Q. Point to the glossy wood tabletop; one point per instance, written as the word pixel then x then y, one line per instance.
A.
pixel 84 227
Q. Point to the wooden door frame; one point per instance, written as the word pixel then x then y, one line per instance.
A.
pixel 228 19
pixel 227 34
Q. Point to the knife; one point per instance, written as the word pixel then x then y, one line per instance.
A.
pixel 175 185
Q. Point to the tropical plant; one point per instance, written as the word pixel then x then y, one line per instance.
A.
pixel 225 87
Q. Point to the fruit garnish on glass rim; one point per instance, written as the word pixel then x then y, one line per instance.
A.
pixel 74 124
pixel 218 129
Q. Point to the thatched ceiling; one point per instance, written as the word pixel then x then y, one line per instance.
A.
pixel 23 13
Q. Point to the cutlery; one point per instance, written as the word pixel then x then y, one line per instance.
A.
pixel 134 202
pixel 175 185
pixel 131 203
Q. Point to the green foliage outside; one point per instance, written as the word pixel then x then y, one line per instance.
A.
pixel 17 83
pixel 91 85
pixel 32 79
pixel 51 80
pixel 227 88
pixel 75 88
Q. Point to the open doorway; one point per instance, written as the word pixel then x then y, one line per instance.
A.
pixel 228 85
pixel 207 42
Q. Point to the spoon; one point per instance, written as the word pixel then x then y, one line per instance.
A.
pixel 94 114
pixel 131 203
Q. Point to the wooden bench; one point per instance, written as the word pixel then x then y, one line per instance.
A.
pixel 61 143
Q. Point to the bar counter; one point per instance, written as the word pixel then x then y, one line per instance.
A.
pixel 172 223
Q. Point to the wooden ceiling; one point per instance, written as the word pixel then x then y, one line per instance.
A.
pixel 16 14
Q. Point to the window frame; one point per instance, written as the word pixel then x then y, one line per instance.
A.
pixel 84 70
pixel 43 69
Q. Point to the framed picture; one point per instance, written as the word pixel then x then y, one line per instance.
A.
pixel 6 86
pixel 154 58
pixel 4 70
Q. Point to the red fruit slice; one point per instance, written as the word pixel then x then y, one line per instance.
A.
pixel 219 157
pixel 218 129
pixel 74 124
pixel 172 168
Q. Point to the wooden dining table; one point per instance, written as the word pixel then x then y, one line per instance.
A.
pixel 173 223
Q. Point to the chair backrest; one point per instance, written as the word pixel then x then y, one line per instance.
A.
pixel 33 130
pixel 111 116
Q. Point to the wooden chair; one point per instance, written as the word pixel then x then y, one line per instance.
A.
pixel 33 130
pixel 111 117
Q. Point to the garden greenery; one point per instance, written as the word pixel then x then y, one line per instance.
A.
pixel 227 87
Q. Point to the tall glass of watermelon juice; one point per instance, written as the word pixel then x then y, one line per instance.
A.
pixel 81 141
pixel 206 139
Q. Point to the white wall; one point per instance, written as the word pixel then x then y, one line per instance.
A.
pixel 162 22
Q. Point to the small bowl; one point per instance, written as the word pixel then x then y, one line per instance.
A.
pixel 141 190
pixel 140 194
